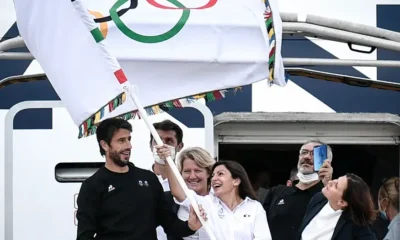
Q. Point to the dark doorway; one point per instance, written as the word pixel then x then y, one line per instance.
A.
pixel 371 162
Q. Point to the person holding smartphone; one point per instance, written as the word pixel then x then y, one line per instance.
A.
pixel 286 205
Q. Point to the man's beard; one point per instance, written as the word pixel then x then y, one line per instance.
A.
pixel 116 158
pixel 305 171
pixel 308 170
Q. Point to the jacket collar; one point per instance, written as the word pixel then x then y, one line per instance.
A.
pixel 344 218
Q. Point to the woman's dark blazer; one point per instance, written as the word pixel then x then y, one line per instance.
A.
pixel 345 228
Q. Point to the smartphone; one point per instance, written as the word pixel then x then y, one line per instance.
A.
pixel 320 155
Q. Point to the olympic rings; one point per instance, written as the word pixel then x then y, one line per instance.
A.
pixel 103 25
pixel 149 39
pixel 133 5
pixel 210 4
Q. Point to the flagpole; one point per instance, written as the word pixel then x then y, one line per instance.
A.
pixel 143 115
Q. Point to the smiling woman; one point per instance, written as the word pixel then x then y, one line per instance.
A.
pixel 344 210
pixel 195 165
pixel 230 176
pixel 233 210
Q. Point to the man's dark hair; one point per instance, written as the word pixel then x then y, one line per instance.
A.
pixel 168 125
pixel 107 128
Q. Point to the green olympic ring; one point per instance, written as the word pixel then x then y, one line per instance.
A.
pixel 149 39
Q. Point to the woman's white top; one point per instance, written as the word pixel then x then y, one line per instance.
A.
pixel 322 225
pixel 248 221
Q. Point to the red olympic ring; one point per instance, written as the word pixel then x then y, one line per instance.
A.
pixel 210 4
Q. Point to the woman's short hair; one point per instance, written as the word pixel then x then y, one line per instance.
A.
pixel 390 191
pixel 200 156
pixel 359 201
pixel 237 171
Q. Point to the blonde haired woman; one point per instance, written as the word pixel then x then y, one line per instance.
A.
pixel 388 200
pixel 232 208
pixel 195 166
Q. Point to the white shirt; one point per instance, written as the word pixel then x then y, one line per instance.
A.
pixel 164 184
pixel 160 231
pixel 321 227
pixel 248 221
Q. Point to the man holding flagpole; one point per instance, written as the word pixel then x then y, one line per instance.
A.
pixel 121 201
pixel 172 135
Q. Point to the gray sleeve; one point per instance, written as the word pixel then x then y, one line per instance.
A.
pixel 394 231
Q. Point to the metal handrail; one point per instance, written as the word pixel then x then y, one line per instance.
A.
pixel 342 25
pixel 293 24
